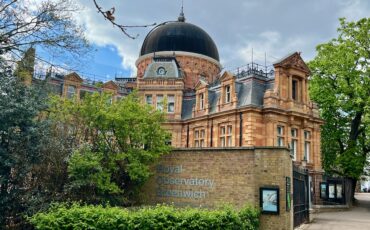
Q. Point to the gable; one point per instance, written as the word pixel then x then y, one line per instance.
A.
pixel 293 61
pixel 73 77
pixel 226 76
pixel 201 83
pixel 110 85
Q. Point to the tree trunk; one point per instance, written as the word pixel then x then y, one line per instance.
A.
pixel 353 190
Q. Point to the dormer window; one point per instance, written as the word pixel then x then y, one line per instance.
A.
pixel 227 94
pixel 201 101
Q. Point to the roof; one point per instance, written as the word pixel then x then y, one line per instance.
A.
pixel 293 60
pixel 179 36
pixel 249 90
pixel 162 69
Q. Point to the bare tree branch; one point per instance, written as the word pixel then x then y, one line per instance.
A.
pixel 109 15
pixel 49 24
pixel 7 5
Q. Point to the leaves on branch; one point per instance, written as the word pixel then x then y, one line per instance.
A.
pixel 340 84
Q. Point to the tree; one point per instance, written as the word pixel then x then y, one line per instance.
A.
pixel 340 84
pixel 116 143
pixel 45 23
pixel 20 141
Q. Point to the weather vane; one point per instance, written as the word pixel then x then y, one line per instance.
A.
pixel 182 16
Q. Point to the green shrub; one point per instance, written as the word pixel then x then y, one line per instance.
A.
pixel 76 216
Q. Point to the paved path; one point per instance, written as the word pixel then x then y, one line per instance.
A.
pixel 357 218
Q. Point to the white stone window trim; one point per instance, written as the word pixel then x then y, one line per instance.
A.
pixel 171 103
pixel 227 93
pixel 280 135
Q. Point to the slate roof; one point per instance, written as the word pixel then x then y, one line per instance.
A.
pixel 250 90
pixel 187 107
pixel 213 97
pixel 170 69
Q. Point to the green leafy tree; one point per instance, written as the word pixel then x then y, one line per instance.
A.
pixel 117 142
pixel 340 84
pixel 20 143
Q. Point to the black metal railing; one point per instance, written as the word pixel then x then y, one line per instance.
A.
pixel 300 196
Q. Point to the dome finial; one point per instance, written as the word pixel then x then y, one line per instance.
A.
pixel 182 16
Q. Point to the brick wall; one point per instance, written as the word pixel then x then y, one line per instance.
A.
pixel 211 177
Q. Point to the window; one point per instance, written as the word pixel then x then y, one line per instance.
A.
pixel 110 100
pixel 294 143
pixel 149 99
pixel 171 103
pixel 202 137
pixel 71 91
pixel 307 145
pixel 199 137
pixel 168 140
pixel 201 101
pixel 84 93
pixel 57 89
pixel 226 136
pixel 280 135
pixel 160 102
pixel 294 89
pixel 227 94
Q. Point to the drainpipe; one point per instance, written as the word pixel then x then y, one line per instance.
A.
pixel 187 137
pixel 211 136
pixel 240 129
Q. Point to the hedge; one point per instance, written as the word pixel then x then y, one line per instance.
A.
pixel 78 216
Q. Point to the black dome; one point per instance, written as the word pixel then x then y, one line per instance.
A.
pixel 179 36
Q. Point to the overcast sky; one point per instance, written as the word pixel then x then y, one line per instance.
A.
pixel 277 27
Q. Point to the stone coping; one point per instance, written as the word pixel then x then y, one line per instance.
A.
pixel 228 148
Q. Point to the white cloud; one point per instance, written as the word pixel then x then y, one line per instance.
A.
pixel 354 9
pixel 276 27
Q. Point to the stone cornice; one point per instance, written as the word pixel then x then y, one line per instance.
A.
pixel 178 53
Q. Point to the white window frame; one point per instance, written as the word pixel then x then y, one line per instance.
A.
pixel 280 135
pixel 227 94
pixel 226 135
pixel 71 94
pixel 294 142
pixel 307 145
pixel 199 137
pixel 149 99
pixel 201 101
pixel 170 103
pixel 159 102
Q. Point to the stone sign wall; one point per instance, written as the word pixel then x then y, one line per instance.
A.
pixel 212 177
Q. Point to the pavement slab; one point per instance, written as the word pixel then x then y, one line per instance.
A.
pixel 356 218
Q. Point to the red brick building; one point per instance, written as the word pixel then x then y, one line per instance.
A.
pixel 178 71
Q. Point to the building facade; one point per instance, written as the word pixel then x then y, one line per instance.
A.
pixel 178 72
